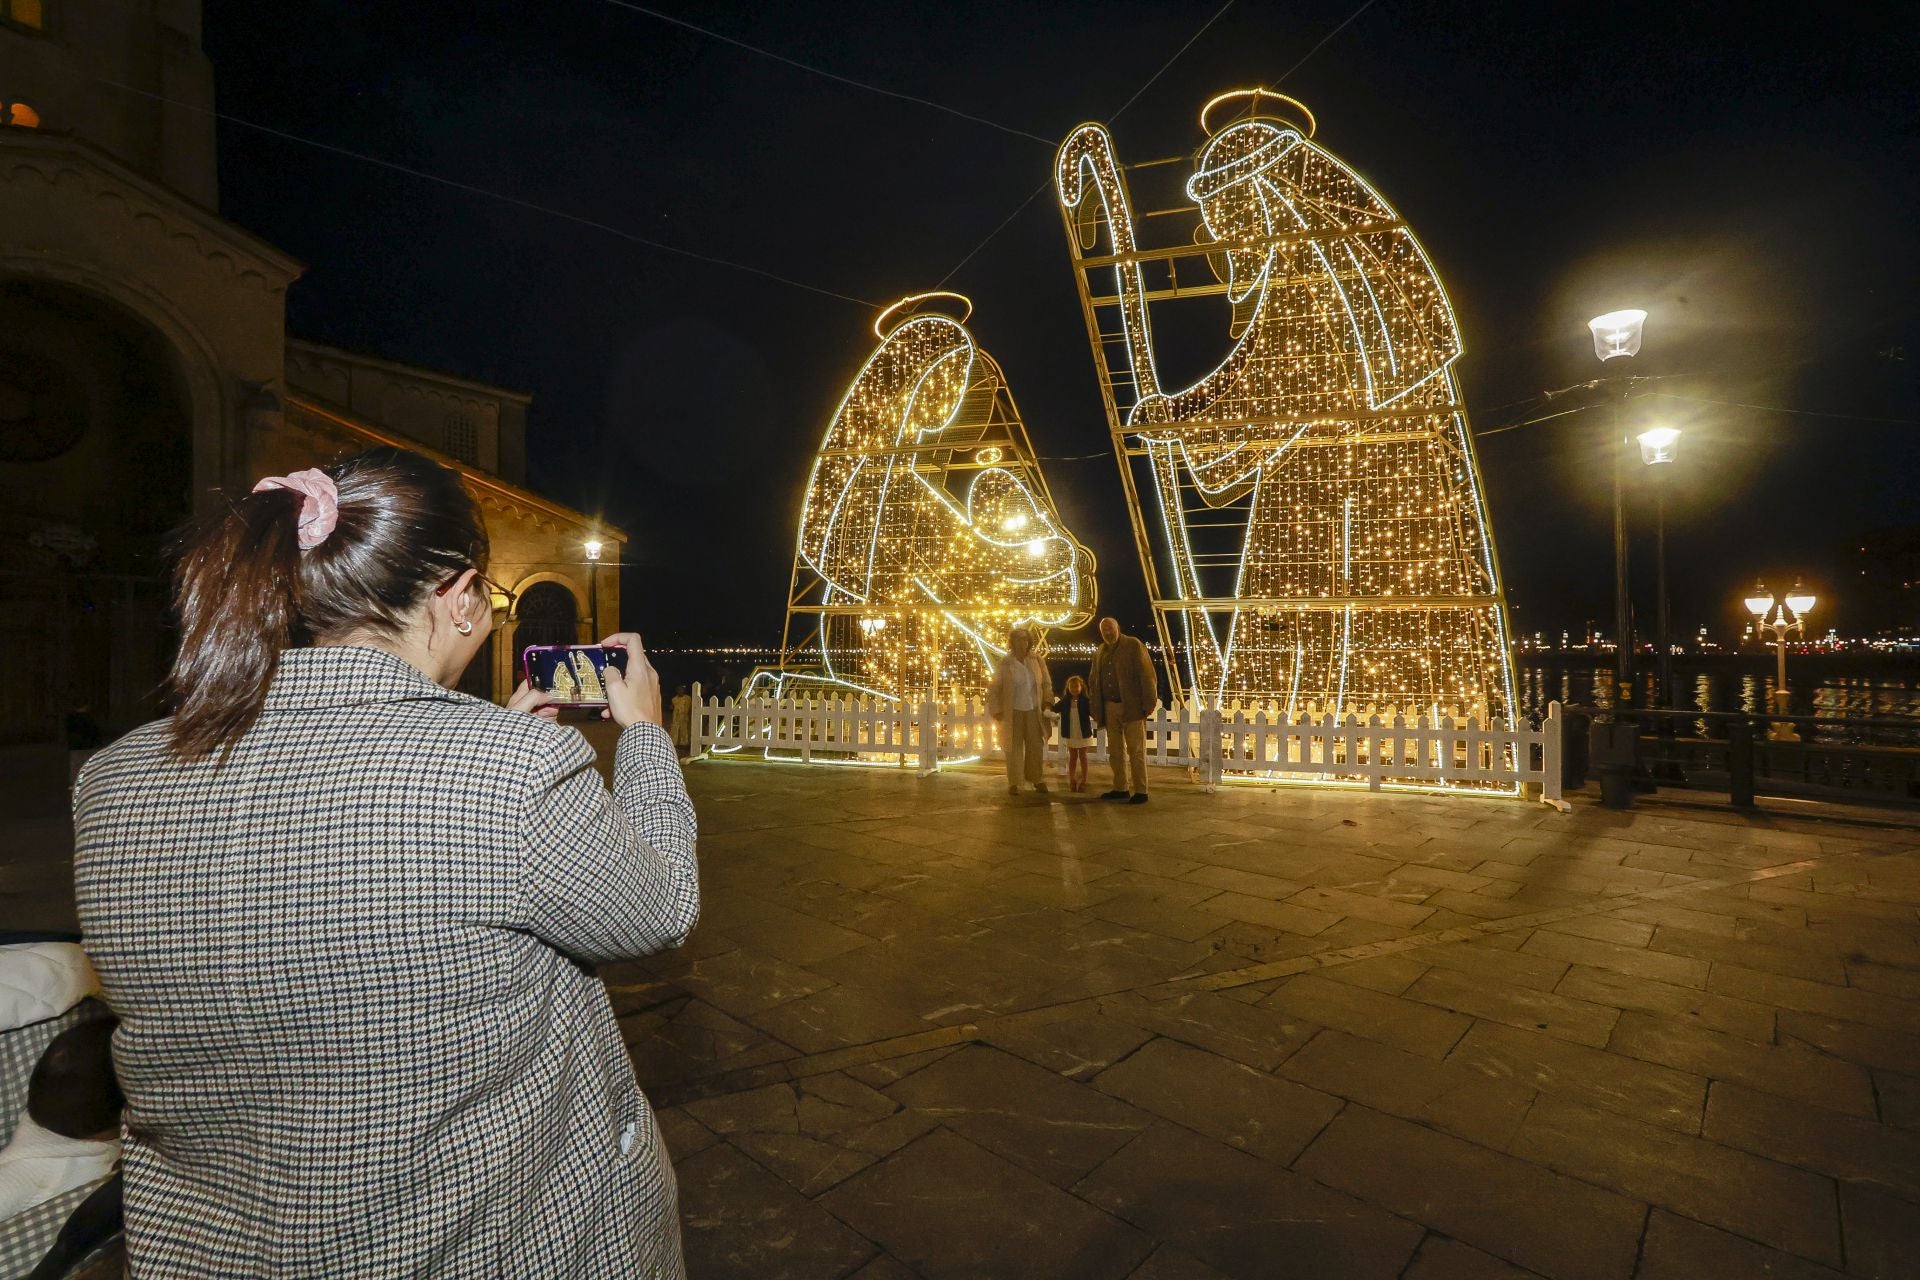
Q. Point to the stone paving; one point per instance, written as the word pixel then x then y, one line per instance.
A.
pixel 928 1029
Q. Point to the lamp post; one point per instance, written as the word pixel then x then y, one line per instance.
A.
pixel 1617 335
pixel 1657 448
pixel 593 547
pixel 1780 618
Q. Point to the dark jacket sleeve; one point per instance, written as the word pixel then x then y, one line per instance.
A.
pixel 611 876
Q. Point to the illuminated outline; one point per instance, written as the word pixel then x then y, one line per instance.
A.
pixel 1317 362
pixel 925 507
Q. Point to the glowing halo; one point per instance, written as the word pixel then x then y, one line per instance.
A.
pixel 1287 110
pixel 909 307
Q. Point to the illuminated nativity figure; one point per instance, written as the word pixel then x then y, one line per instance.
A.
pixel 1323 544
pixel 927 530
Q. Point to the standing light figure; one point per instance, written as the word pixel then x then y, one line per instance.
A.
pixel 1617 333
pixel 927 531
pixel 1322 542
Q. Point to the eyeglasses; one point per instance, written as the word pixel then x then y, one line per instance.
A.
pixel 497 595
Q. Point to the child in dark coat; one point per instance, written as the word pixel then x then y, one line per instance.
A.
pixel 1075 713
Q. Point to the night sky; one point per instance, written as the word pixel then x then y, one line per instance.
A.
pixel 1745 173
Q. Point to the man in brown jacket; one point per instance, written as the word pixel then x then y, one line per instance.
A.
pixel 1125 691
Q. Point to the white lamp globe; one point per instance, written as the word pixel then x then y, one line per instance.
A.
pixel 1617 333
pixel 1658 445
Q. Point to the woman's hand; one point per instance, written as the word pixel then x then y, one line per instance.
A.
pixel 632 698
pixel 533 701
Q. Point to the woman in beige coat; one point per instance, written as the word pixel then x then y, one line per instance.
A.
pixel 1020 698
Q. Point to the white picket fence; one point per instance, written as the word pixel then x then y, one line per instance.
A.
pixel 1215 745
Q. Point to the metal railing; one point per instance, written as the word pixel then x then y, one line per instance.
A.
pixel 1733 751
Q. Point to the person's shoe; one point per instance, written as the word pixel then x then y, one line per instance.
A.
pixel 1013 791
pixel 1114 795
pixel 1138 797
pixel 1041 787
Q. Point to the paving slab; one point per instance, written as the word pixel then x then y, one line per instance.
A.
pixel 1451 1097
pixel 1659 1095
pixel 1578 1020
pixel 814 1132
pixel 1444 1258
pixel 1261 1035
pixel 1783 1206
pixel 1841 1146
pixel 1244 1216
pixel 1786 1070
pixel 1882 1232
pixel 1556 1225
pixel 1033 1117
pixel 1391 1020
pixel 1678 1248
pixel 1743 1018
pixel 949 1208
pixel 1242 1107
pixel 739 1222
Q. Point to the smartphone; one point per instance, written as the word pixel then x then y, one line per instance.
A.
pixel 572 674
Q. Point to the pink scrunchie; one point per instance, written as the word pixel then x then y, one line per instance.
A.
pixel 319 503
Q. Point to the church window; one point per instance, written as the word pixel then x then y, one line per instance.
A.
pixel 19 114
pixel 24 13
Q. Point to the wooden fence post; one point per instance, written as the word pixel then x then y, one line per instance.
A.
pixel 1552 744
pixel 929 735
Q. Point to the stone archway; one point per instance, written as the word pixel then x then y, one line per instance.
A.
pixel 97 457
pixel 547 613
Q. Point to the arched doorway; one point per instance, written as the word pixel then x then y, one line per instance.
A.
pixel 546 613
pixel 96 458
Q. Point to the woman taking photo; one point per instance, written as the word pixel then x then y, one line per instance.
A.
pixel 346 916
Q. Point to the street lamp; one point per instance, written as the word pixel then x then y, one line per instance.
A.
pixel 593 547
pixel 1657 448
pixel 1617 334
pixel 1780 619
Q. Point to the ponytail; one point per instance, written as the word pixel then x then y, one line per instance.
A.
pixel 237 590
pixel 394 526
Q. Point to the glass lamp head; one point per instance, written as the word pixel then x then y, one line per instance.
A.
pixel 1760 600
pixel 1658 445
pixel 1800 600
pixel 1617 333
pixel 593 547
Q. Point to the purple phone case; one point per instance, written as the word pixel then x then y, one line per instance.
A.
pixel 571 673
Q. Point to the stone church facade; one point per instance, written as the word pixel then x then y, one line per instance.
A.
pixel 145 369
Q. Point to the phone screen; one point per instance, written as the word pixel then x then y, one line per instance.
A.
pixel 572 674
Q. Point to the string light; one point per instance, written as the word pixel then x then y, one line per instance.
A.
pixel 927 530
pixel 1329 447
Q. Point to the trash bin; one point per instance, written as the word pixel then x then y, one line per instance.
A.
pixel 1611 748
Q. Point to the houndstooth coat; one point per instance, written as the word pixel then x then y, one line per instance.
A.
pixel 358 1037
